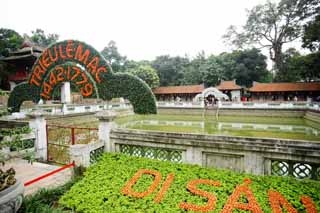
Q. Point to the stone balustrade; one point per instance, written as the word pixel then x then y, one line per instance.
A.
pixel 246 105
pixel 258 156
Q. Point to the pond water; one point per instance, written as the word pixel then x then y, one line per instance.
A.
pixel 263 127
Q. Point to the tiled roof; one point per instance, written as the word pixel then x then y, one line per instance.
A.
pixel 228 85
pixel 284 87
pixel 191 89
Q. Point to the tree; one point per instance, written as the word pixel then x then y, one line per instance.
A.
pixel 310 69
pixel 214 71
pixel 113 57
pixel 299 67
pixel 249 65
pixel 311 35
pixel 272 25
pixel 292 67
pixel 170 69
pixel 245 66
pixel 10 40
pixel 147 74
pixel 40 38
pixel 194 71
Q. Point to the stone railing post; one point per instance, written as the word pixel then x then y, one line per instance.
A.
pixel 106 123
pixel 38 125
pixel 66 93
pixel 80 154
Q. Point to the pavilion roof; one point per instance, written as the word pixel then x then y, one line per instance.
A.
pixel 228 85
pixel 24 53
pixel 285 87
pixel 190 89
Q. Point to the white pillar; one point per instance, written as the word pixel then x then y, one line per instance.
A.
pixel 12 85
pixel 106 123
pixel 65 93
pixel 38 125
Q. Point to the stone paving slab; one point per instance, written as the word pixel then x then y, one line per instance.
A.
pixel 26 172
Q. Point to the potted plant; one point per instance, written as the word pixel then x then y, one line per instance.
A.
pixel 11 191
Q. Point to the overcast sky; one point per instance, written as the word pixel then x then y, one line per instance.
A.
pixel 142 29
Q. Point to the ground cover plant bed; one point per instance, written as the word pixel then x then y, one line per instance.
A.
pixel 120 183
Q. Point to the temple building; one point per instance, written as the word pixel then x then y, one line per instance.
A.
pixel 231 89
pixel 301 91
pixel 22 61
pixel 178 93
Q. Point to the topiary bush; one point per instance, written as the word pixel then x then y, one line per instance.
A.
pixel 83 66
pixel 22 92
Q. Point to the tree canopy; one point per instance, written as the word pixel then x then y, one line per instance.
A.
pixel 10 40
pixel 170 69
pixel 147 74
pixel 272 25
pixel 114 58
pixel 245 66
pixel 311 35
pixel 42 39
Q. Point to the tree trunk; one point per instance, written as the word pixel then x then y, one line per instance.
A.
pixel 277 57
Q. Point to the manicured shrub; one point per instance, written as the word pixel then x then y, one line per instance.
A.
pixel 120 183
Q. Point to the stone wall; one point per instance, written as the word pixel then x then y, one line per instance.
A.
pixel 242 154
pixel 233 112
pixel 262 112
pixel 313 116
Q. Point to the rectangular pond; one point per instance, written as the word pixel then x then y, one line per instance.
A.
pixel 261 127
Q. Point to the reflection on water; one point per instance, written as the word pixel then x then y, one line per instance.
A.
pixel 222 127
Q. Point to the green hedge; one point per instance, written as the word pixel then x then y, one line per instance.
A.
pixel 100 190
pixel 22 92
pixel 111 85
pixel 132 88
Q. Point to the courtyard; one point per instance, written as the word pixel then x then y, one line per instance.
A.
pixel 210 106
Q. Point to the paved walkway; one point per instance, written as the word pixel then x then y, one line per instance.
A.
pixel 26 172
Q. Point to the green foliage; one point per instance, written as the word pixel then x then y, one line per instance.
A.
pixel 245 66
pixel 298 67
pixel 170 69
pixel 194 72
pixel 45 200
pixel 100 189
pixel 291 68
pixel 15 131
pixel 271 25
pixel 132 88
pixel 10 40
pixel 16 142
pixel 40 38
pixel 113 57
pixel 311 35
pixel 250 65
pixel 214 71
pixel 147 74
pixel 22 92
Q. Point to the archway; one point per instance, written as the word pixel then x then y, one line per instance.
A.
pixel 79 63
